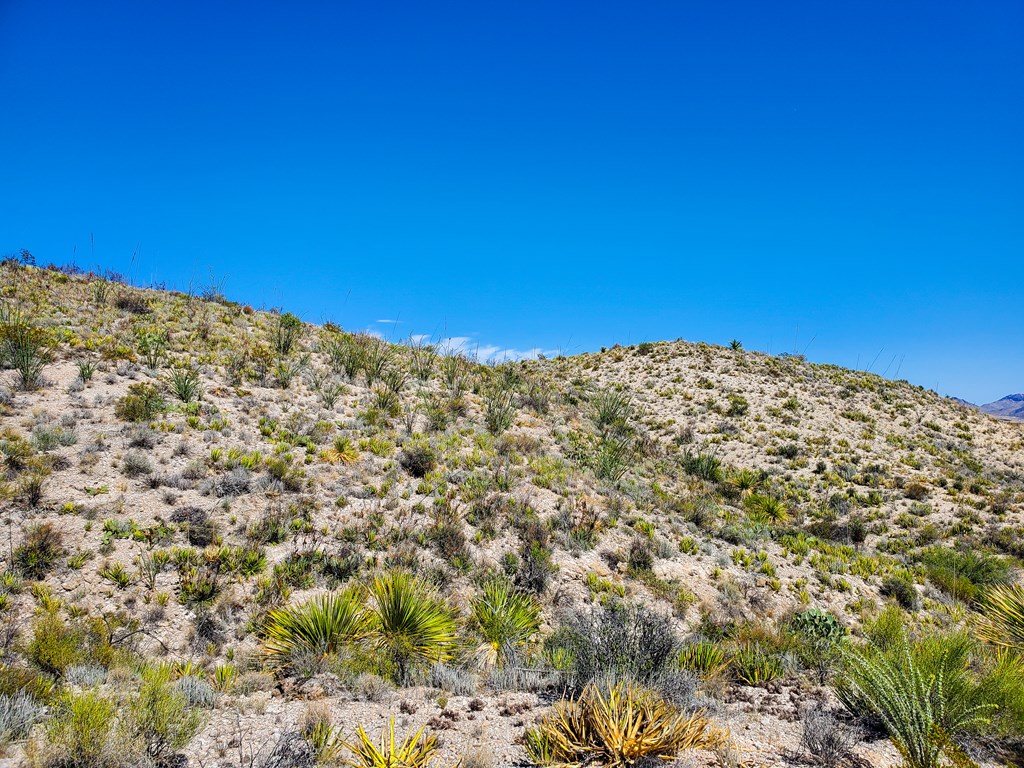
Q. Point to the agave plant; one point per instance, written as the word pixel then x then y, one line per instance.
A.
pixel 321 626
pixel 414 751
pixel 617 727
pixel 1002 616
pixel 506 617
pixel 410 623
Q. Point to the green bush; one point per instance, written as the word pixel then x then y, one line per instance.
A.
pixel 84 731
pixel 54 645
pixel 964 574
pixel 160 717
pixel 24 346
pixel 142 403
pixel 42 547
pixel 185 384
pixel 418 458
pixel 932 694
pixel 756 664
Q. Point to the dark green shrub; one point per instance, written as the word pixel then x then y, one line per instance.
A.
pixel 703 465
pixel 36 555
pixel 418 459
pixel 901 589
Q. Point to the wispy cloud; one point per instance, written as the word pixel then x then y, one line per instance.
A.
pixel 389 322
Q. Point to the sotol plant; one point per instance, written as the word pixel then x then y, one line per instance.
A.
pixel 411 624
pixel 322 626
pixel 506 617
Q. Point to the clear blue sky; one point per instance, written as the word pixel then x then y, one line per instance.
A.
pixel 838 178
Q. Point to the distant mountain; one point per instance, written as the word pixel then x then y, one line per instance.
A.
pixel 1009 407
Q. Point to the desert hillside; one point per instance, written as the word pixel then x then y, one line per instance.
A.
pixel 233 537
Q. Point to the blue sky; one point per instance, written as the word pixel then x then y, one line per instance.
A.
pixel 842 179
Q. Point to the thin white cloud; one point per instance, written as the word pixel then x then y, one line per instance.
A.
pixel 389 322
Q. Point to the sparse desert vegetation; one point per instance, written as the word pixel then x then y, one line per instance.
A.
pixel 237 539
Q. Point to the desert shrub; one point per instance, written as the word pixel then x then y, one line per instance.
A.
pixel 534 566
pixel 153 347
pixel 499 409
pixel 24 346
pixel 613 456
pixel 85 675
pixel 185 384
pixel 41 548
pixel 83 731
pixel 766 508
pixel 16 452
pixel 411 625
pixel 703 465
pixel 640 556
pixel 416 750
pixel 820 635
pixel 618 641
pixel 704 658
pixel 963 574
pixel 611 411
pixel 48 438
pixel 506 617
pixel 458 681
pixel 829 741
pixel 142 403
pixel 197 692
pixel 160 717
pixel 18 713
pixel 320 627
pixel 901 589
pixel 617 727
pixel 418 459
pixel 818 626
pixel 287 331
pixel 136 463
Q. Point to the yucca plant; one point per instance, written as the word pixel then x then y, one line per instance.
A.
pixel 506 617
pixel 322 626
pixel 744 481
pixel 24 346
pixel 185 385
pixel 617 727
pixel 410 623
pixel 766 509
pixel 610 412
pixel 416 750
pixel 1002 616
pixel 343 450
